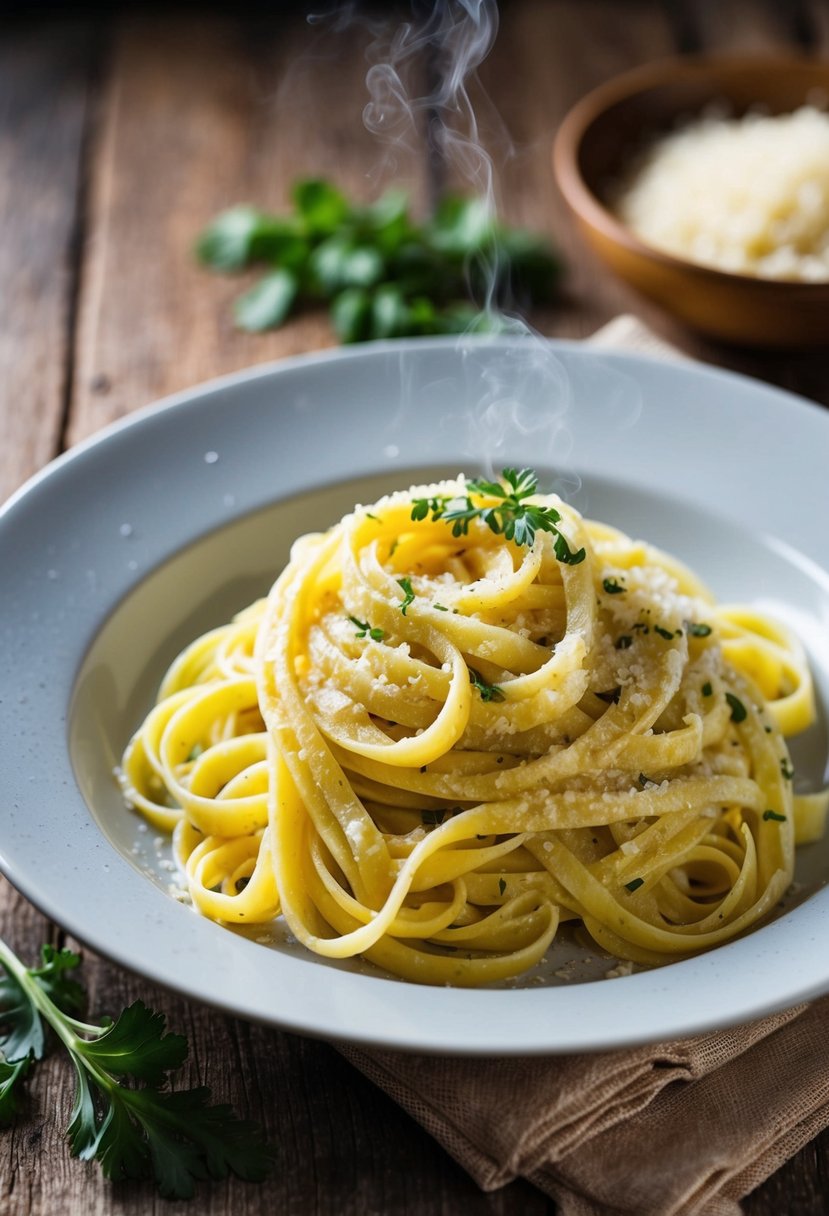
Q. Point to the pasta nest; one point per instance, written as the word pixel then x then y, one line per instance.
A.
pixel 431 749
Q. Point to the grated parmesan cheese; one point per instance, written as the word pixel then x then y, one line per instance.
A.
pixel 749 195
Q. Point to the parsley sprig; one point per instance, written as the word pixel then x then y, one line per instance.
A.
pixel 382 273
pixel 511 515
pixel 124 1116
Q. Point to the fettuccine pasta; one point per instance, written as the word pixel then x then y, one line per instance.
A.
pixel 455 724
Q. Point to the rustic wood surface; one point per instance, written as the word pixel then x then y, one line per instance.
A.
pixel 119 138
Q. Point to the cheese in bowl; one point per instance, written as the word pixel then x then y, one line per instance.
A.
pixel 746 195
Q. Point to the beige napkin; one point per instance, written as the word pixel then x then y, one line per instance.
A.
pixel 677 1129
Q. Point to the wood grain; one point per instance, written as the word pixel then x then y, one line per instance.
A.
pixel 44 78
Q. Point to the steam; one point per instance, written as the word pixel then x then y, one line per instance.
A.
pixel 518 388
pixel 452 41
pixel 422 76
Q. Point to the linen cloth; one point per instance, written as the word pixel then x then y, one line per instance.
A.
pixel 684 1128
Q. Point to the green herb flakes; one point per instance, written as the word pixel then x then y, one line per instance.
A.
pixel 365 630
pixel 487 692
pixel 408 593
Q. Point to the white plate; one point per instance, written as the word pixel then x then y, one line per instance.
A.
pixel 128 546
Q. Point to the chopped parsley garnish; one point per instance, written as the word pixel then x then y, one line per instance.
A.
pixel 697 630
pixel 667 634
pixel 124 1116
pixel 502 886
pixel 440 607
pixel 786 769
pixel 511 517
pixel 707 688
pixel 774 815
pixel 635 884
pixel 624 642
pixel 408 594
pixel 739 713
pixel 488 692
pixel 393 546
pixel 612 587
pixel 365 630
pixel 376 518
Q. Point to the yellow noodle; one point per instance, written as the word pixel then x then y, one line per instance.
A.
pixel 429 749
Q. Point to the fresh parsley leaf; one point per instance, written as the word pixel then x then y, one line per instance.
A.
pixel 123 1114
pixel 243 235
pixel 488 692
pixel 321 206
pixel 53 977
pixel 365 630
pixel 408 593
pixel 339 262
pixel 228 243
pixel 11 1078
pixel 667 634
pixel 698 630
pixel 268 302
pixel 612 586
pixel 510 516
pixel 566 555
pixel 774 815
pixel 786 769
pixel 350 314
pixel 136 1045
pixel 23 1029
pixel 739 713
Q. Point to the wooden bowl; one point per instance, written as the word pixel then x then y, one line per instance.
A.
pixel 610 125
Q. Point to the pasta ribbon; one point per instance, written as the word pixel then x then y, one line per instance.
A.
pixel 449 728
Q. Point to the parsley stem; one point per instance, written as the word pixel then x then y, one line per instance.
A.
pixel 62 1023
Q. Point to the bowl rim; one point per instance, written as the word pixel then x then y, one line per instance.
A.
pixel 588 207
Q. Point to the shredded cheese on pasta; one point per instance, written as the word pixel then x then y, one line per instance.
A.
pixel 430 749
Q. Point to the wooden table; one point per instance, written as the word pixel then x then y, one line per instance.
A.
pixel 120 137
